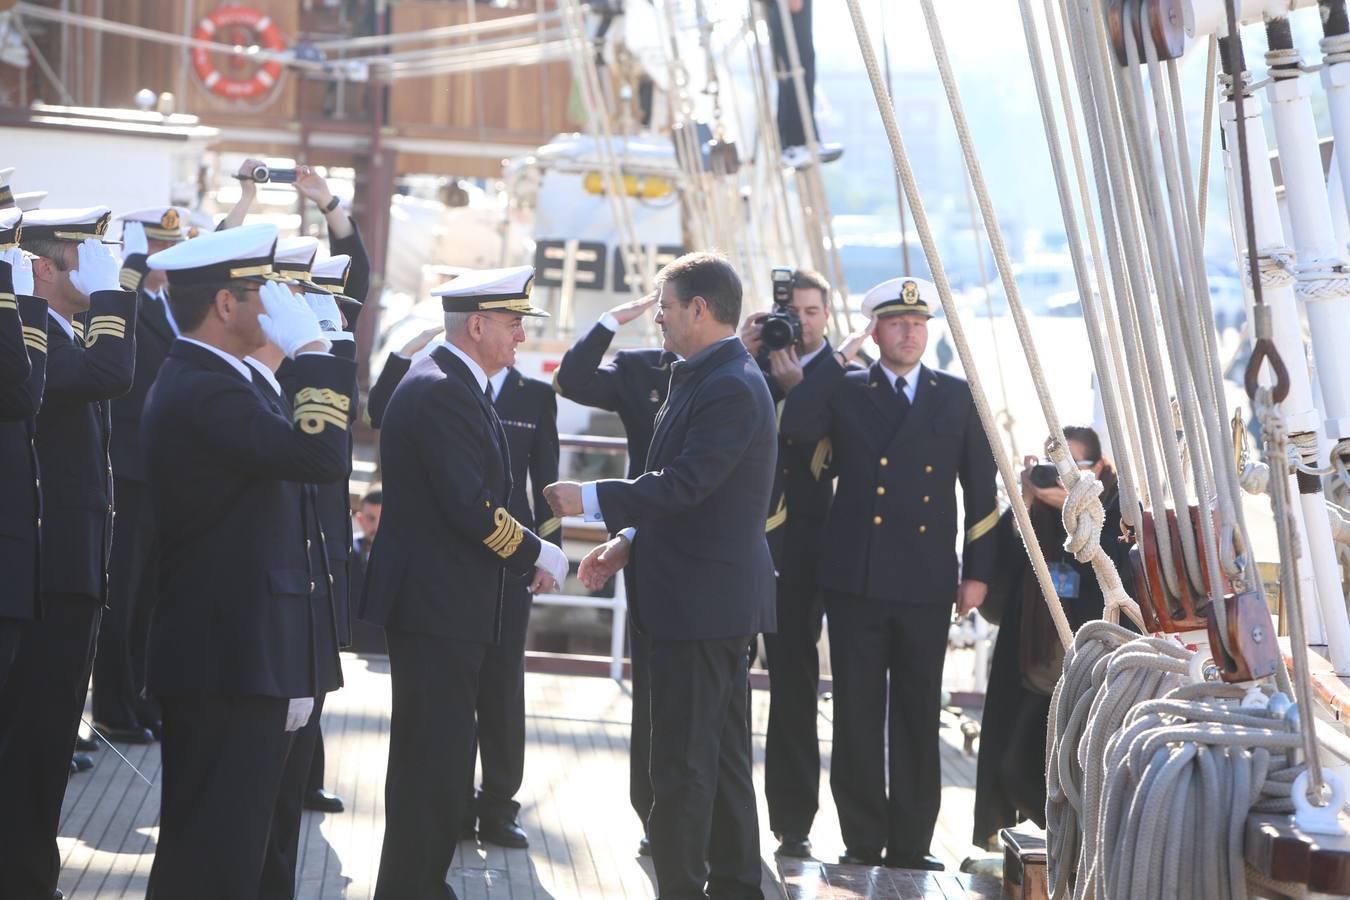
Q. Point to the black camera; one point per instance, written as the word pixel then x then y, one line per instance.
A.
pixel 1044 475
pixel 264 174
pixel 781 328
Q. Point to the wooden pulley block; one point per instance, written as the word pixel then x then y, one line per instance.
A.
pixel 1169 612
pixel 1251 637
pixel 1166 28
pixel 1190 600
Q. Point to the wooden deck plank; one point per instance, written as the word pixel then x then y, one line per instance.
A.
pixel 574 805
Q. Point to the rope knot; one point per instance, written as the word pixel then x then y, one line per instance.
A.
pixel 1083 517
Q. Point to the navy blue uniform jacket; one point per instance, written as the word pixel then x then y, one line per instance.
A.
pixel 20 487
pixel 891 532
pixel 154 336
pixel 446 536
pixel 702 560
pixel 73 429
pixel 236 609
pixel 634 384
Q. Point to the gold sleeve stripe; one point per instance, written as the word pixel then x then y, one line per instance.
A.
pixel 118 328
pixel 982 527
pixel 821 458
pixel 78 328
pixel 778 518
pixel 323 397
pixel 312 418
pixel 548 526
pixel 7 301
pixel 507 536
pixel 35 338
pixel 107 320
pixel 130 279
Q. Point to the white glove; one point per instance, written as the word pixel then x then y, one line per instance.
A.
pixel 326 310
pixel 22 267
pixel 98 269
pixel 553 561
pixel 297 712
pixel 289 322
pixel 133 239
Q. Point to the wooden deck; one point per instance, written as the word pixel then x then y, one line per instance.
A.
pixel 583 834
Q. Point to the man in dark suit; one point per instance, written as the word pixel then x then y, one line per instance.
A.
pixel 705 580
pixel 23 368
pixel 633 384
pixel 528 410
pixel 121 713
pixel 88 363
pixel 437 571
pixel 903 436
pixel 803 487
pixel 240 645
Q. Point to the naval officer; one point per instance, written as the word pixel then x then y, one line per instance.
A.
pixel 121 713
pixel 903 436
pixel 235 659
pixel 528 410
pixel 90 355
pixel 23 349
pixel 437 570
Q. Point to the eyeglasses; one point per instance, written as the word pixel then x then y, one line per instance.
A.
pixel 512 325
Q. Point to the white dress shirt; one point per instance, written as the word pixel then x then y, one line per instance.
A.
pixel 807 357
pixel 497 381
pixel 608 321
pixel 266 373
pixel 910 380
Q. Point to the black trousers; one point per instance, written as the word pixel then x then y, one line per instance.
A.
pixel 640 733
pixel 791 131
pixel 40 711
pixel 500 737
pixel 873 644
pixel 11 632
pixel 119 667
pixel 283 839
pixel 704 826
pixel 223 759
pixel 435 683
pixel 791 751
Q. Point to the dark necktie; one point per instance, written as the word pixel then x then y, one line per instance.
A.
pixel 902 398
pixel 487 392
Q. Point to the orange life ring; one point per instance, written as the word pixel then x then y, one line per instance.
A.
pixel 240 78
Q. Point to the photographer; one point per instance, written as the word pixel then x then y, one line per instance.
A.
pixel 1010 780
pixel 802 492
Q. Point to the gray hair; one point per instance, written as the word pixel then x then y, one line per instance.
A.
pixel 456 323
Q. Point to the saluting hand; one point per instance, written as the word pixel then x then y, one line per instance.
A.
pixel 854 342
pixel 564 498
pixel 415 346
pixel 22 269
pixel 627 312
pixel 97 269
pixel 289 322
pixel 133 239
pixel 601 564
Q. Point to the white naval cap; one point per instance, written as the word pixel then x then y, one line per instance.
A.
pixel 235 253
pixel 9 200
pixel 899 296
pixel 332 272
pixel 161 223
pixel 11 226
pixel 67 224
pixel 294 260
pixel 502 290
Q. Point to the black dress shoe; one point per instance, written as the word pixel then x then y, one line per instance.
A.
pixel 134 735
pixel 851 858
pixel 503 834
pixel 926 863
pixel 320 800
pixel 82 762
pixel 797 846
pixel 645 846
pixel 87 744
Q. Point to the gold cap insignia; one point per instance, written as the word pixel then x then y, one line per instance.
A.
pixel 909 293
pixel 170 219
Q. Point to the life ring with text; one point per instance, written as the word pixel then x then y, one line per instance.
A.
pixel 239 77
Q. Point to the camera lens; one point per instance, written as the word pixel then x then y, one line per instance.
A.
pixel 776 332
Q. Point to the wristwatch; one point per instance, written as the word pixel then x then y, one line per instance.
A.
pixel 333 204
